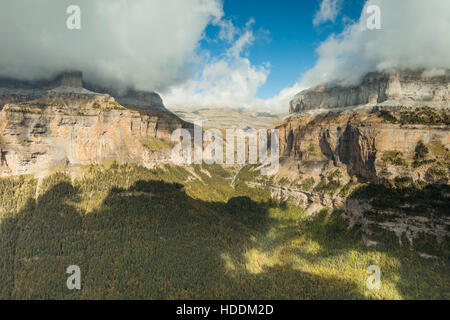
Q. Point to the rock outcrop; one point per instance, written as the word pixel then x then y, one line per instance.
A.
pixel 42 128
pixel 366 145
pixel 408 88
pixel 13 90
pixel 379 152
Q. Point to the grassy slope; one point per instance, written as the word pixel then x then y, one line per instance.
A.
pixel 136 233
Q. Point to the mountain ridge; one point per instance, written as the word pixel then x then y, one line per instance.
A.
pixel 398 87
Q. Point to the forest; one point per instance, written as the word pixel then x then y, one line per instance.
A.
pixel 186 233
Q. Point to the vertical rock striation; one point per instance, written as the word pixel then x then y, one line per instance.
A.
pixel 409 88
pixel 42 128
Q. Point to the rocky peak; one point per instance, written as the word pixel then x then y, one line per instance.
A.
pixel 404 87
pixel 71 84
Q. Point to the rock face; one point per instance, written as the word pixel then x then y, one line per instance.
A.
pixel 70 125
pixel 133 99
pixel 364 144
pixel 377 139
pixel 407 88
pixel 392 129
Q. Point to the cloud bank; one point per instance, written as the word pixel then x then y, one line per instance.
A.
pixel 413 34
pixel 155 45
pixel 149 44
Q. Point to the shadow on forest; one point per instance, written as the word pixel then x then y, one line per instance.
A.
pixel 151 241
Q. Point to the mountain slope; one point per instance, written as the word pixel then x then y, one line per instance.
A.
pixel 137 237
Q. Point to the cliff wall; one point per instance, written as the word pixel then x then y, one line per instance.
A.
pixel 408 88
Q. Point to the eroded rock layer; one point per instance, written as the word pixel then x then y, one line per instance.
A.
pixel 372 144
pixel 409 88
pixel 42 128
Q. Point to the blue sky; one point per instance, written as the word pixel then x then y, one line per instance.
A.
pixel 285 36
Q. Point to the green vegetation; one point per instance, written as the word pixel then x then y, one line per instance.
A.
pixel 425 116
pixel 284 181
pixel 345 191
pixel 114 106
pixel 107 106
pixel 248 173
pixel 394 158
pixel 164 234
pixel 35 104
pixel 439 150
pixel 328 187
pixel 418 163
pixel 26 110
pixel 387 116
pixel 314 151
pixel 336 174
pixel 436 171
pixel 154 144
pixel 307 184
pixel 406 196
pixel 421 151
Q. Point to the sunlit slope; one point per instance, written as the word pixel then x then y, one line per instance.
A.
pixel 178 233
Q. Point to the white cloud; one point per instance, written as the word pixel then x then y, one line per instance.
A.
pixel 146 43
pixel 419 39
pixel 328 11
pixel 280 102
pixel 154 45
pixel 227 30
pixel 414 35
pixel 227 80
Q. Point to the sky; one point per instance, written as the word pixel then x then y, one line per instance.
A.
pixel 222 53
pixel 285 36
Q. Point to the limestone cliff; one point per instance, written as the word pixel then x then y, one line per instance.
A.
pixel 408 88
pixel 385 168
pixel 42 128
pixel 371 144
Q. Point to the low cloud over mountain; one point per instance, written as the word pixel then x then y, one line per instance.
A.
pixel 145 43
pixel 156 45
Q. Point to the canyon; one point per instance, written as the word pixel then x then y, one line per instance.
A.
pixel 369 150
pixel 46 123
pixel 335 140
pixel 87 176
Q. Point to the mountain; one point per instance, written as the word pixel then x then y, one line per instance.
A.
pixel 86 181
pixel 379 152
pixel 404 87
pixel 49 123
pixel 364 141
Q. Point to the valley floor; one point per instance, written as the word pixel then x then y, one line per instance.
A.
pixel 190 233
